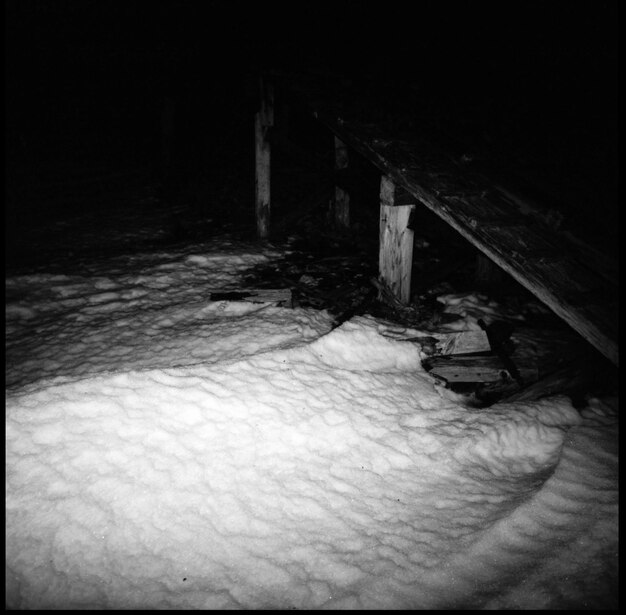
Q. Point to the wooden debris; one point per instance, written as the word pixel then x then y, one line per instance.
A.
pixel 464 368
pixel 469 204
pixel 385 294
pixel 457 343
pixel 462 342
pixel 279 296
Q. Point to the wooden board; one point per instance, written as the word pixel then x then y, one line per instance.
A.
pixel 455 369
pixel 395 242
pixel 457 342
pixel 278 296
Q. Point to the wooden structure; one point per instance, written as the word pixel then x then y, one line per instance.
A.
pixel 577 283
pixel 396 238
pixel 263 122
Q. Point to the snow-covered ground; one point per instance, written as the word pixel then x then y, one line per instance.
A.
pixel 166 451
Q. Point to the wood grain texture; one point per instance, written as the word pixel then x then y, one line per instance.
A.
pixel 396 243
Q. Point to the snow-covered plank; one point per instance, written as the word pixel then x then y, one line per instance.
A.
pixel 440 343
pixel 455 369
pixel 462 342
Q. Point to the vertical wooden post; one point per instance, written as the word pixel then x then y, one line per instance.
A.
pixel 263 121
pixel 342 198
pixel 396 241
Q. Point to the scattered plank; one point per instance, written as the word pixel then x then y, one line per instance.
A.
pixel 462 342
pixel 463 368
pixel 279 296
pixel 457 343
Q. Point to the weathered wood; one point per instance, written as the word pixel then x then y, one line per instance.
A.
pixel 457 342
pixel 464 368
pixel 396 242
pixel 263 121
pixel 464 200
pixel 278 296
pixel 342 197
pixel 462 342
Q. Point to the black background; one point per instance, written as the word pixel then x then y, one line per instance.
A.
pixel 91 75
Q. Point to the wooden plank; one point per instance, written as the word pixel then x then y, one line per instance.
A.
pixel 263 121
pixel 396 243
pixel 455 369
pixel 279 296
pixel 342 197
pixel 461 342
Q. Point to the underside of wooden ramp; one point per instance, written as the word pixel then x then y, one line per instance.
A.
pixel 576 281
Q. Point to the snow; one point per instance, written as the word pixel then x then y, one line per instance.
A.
pixel 166 451
pixel 472 307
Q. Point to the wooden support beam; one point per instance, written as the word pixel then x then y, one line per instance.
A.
pixel 342 197
pixel 263 121
pixel 396 242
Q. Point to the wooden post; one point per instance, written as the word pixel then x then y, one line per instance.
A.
pixel 396 241
pixel 342 198
pixel 263 121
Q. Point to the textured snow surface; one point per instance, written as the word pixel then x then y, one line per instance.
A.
pixel 164 451
pixel 158 315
